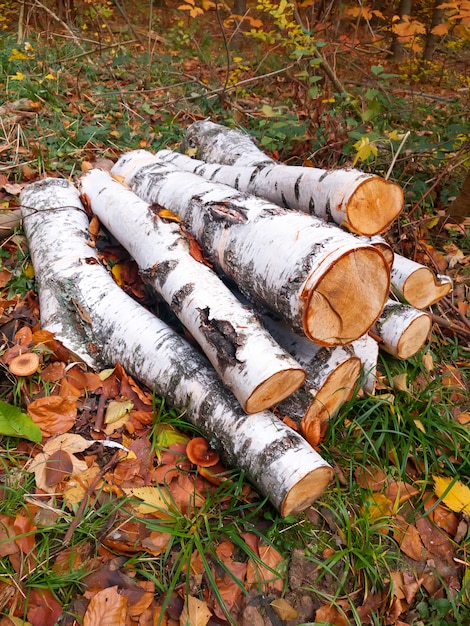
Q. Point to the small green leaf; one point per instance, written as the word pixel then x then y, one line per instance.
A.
pixel 17 424
pixel 377 69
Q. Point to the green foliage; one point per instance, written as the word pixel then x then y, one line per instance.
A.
pixel 17 424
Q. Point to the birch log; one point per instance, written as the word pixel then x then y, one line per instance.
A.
pixel 367 349
pixel 402 329
pixel 332 374
pixel 363 203
pixel 313 274
pixel 417 284
pixel 248 360
pixel 278 461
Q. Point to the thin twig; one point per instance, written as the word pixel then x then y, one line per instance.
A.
pixel 61 22
pixel 394 160
pixel 441 321
pixel 450 304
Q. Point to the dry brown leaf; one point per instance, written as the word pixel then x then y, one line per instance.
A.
pixel 408 538
pixel 283 609
pixel 53 414
pixel 330 614
pixel 58 466
pixel 107 607
pixel 269 574
pixel 76 487
pixel 195 612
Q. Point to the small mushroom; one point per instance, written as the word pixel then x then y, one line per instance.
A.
pixel 199 452
pixel 24 364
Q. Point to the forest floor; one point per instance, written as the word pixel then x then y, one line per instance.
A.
pixel 83 535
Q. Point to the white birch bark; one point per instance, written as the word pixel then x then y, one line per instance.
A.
pixel 316 276
pixel 278 461
pixel 332 374
pixel 248 360
pixel 403 330
pixel 417 284
pixel 367 349
pixel 215 143
pixel 363 203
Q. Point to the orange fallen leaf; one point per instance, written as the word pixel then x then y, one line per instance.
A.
pixel 106 607
pixel 53 414
pixel 332 615
pixel 195 612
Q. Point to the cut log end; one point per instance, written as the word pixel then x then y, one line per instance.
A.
pixel 273 390
pixel 384 201
pixel 311 487
pixel 422 288
pixel 414 337
pixel 339 310
pixel 337 390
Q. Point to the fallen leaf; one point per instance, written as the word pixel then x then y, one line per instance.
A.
pixel 58 466
pixel 453 493
pixel 195 612
pixel 43 608
pixel 106 608
pixel 153 500
pixel 408 538
pixel 53 414
pixel 283 609
pixel 331 615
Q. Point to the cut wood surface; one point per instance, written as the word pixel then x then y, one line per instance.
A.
pixel 403 330
pixel 316 276
pixel 332 374
pixel 363 203
pixel 246 357
pixel 417 284
pixel 278 461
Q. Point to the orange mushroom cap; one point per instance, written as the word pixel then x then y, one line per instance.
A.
pixel 199 452
pixel 24 364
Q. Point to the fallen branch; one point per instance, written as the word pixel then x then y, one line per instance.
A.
pixel 313 274
pixel 363 203
pixel 248 360
pixel 278 461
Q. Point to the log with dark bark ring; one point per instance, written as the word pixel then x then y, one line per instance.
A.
pixel 315 275
pixel 248 360
pixel 102 323
pixel 363 203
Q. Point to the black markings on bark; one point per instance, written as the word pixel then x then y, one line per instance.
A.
pixel 311 206
pixel 222 336
pixel 180 296
pixel 215 172
pixel 284 201
pixel 297 188
pixel 328 211
pixel 227 211
pixel 159 272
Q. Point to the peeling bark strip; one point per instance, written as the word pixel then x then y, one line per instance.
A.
pixel 278 461
pixel 316 276
pixel 363 203
pixel 417 284
pixel 402 329
pixel 332 374
pixel 248 360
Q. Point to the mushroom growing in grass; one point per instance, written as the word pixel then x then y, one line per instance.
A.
pixel 199 452
pixel 24 364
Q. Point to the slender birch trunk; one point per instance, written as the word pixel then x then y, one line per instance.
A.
pixel 278 461
pixel 403 330
pixel 363 203
pixel 316 276
pixel 248 360
pixel 417 284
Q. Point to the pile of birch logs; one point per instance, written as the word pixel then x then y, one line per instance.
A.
pixel 292 295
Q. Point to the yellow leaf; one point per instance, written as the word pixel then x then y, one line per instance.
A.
pixel 268 111
pixel 17 76
pixel 116 271
pixel 115 133
pixel 457 497
pixel 166 214
pixel 195 612
pixel 364 149
pixel 153 501
pixel 284 610
pixel 377 505
pixel 50 77
pixel 29 271
pixel 207 4
pixel 395 135
pixel 116 410
pixel 16 55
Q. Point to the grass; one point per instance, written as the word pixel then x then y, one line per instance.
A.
pixel 104 97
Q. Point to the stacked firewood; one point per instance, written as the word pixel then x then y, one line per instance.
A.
pixel 289 300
